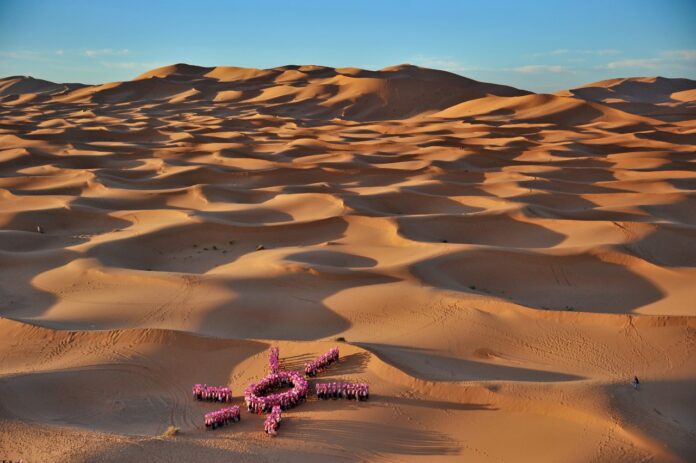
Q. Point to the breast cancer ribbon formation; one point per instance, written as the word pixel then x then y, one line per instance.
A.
pixel 260 397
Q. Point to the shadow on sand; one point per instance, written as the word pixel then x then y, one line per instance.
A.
pixel 366 438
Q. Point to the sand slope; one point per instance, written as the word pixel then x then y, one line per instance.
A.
pixel 500 264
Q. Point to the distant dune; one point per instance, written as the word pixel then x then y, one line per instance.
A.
pixel 497 264
pixel 659 97
pixel 558 110
pixel 317 92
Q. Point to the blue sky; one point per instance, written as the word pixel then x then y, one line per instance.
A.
pixel 538 45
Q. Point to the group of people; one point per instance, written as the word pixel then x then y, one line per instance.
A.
pixel 351 391
pixel 212 393
pixel 321 362
pixel 222 417
pixel 272 421
pixel 259 400
pixel 274 360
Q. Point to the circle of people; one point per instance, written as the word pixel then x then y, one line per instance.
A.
pixel 260 398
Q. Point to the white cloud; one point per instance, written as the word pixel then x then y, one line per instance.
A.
pixel 59 52
pixel 444 63
pixel 572 53
pixel 540 68
pixel 604 52
pixel 647 63
pixel 105 52
pixel 686 55
pixel 129 65
pixel 21 54
pixel 678 58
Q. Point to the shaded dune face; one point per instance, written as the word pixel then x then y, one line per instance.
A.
pixel 199 247
pixel 496 264
pixel 497 230
pixel 433 366
pixel 405 202
pixel 576 282
pixel 331 258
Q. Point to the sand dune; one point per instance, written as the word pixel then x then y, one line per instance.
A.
pixel 22 89
pixel 317 92
pixel 498 263
pixel 658 97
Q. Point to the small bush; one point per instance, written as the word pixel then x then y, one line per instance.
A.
pixel 171 431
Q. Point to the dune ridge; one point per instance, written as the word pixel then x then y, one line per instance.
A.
pixel 497 264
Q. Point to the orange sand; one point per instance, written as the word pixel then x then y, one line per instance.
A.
pixel 500 263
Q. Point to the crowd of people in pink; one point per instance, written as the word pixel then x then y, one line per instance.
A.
pixel 272 421
pixel 222 417
pixel 322 362
pixel 259 398
pixel 351 391
pixel 212 393
pixel 274 360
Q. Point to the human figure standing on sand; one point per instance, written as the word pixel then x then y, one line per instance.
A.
pixel 635 382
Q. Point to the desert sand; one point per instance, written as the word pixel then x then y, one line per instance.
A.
pixel 496 264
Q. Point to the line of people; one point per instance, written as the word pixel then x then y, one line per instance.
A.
pixel 222 417
pixel 259 398
pixel 322 362
pixel 351 391
pixel 212 393
pixel 272 421
pixel 274 360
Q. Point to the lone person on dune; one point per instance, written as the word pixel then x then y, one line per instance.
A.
pixel 635 382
